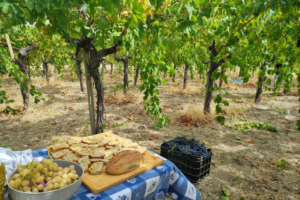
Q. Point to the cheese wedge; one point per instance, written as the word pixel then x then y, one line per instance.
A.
pixel 60 154
pixel 60 146
pixel 74 140
pixel 71 157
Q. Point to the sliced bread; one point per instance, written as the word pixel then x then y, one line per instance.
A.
pixel 60 146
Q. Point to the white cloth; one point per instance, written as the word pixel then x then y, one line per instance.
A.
pixel 11 159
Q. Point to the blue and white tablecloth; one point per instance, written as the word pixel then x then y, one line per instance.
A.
pixel 153 184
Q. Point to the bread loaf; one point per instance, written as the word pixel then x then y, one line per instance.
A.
pixel 124 161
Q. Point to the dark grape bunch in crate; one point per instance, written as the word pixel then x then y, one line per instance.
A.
pixel 189 155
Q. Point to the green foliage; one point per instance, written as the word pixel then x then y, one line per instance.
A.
pixel 238 138
pixel 6 146
pixel 248 125
pixel 117 124
pixel 161 33
pixel 103 126
pixel 56 140
pixel 157 126
pixel 226 193
pixel 281 164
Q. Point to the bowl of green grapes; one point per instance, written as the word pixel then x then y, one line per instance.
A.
pixel 45 180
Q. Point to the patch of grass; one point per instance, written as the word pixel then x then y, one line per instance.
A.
pixel 157 126
pixel 6 146
pixel 248 125
pixel 86 130
pixel 56 140
pixel 281 164
pixel 117 124
pixel 281 111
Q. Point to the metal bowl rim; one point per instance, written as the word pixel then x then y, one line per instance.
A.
pixel 40 193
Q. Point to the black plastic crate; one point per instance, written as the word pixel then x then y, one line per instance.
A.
pixel 194 168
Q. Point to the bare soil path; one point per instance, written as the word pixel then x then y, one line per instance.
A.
pixel 245 167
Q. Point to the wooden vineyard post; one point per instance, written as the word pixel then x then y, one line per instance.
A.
pixel 9 46
pixel 89 91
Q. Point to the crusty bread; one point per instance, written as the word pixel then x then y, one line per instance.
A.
pixel 84 159
pixel 77 147
pixel 84 165
pixel 84 152
pixel 91 140
pixel 102 143
pixel 96 168
pixel 99 149
pixel 60 154
pixel 108 153
pixel 97 154
pixel 130 145
pixel 92 146
pixel 124 161
pixel 74 140
pixel 60 146
pixel 109 147
pixel 105 161
pixel 142 150
pixel 95 160
pixel 71 157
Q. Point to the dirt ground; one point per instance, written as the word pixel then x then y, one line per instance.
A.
pixel 245 167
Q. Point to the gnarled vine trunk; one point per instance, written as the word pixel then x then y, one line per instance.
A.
pixel 125 70
pixel 222 74
pixel 173 79
pixel 260 84
pixel 209 81
pixel 92 58
pixel 22 53
pixel 185 77
pixel 80 75
pixel 46 69
pixel 79 70
pixel 111 68
pixel 103 68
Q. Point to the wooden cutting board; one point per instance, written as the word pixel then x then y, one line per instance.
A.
pixel 100 183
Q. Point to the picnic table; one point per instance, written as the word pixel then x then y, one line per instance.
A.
pixel 153 184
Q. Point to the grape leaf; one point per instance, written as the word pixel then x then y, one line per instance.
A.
pixel 225 198
pixel 226 192
pixel 221 119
